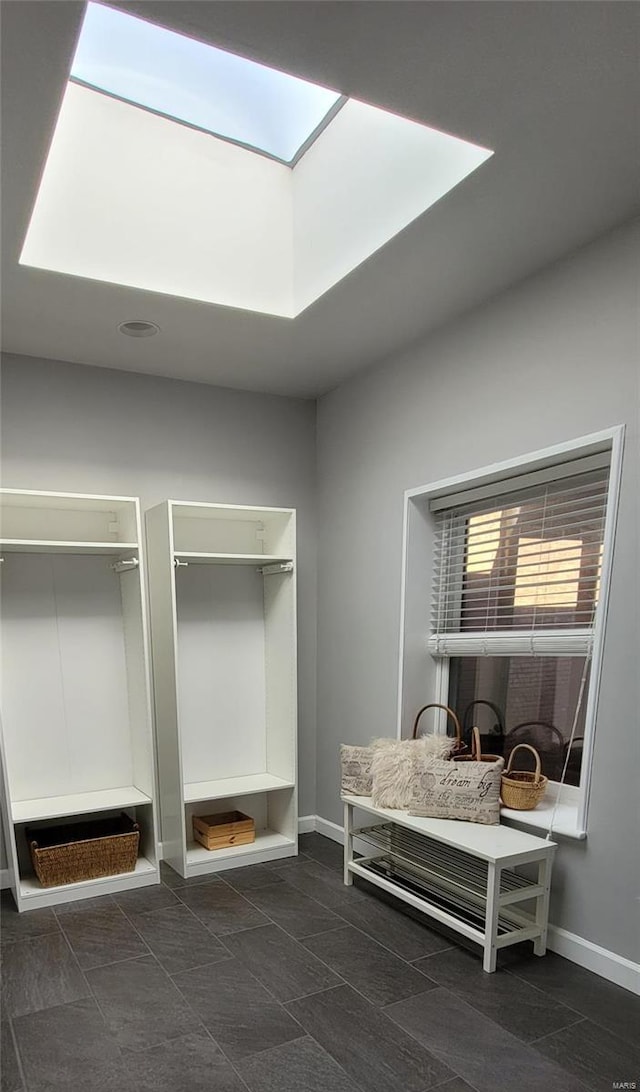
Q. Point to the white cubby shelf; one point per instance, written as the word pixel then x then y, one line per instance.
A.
pixel 268 846
pixel 234 786
pixel 31 891
pixel 34 546
pixel 231 559
pixel 77 803
pixel 77 736
pixel 223 620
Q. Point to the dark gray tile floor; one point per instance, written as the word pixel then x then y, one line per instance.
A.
pixel 277 978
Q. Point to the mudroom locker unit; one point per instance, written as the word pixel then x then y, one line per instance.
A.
pixel 77 738
pixel 223 621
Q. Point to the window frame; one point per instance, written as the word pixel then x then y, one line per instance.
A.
pixel 572 813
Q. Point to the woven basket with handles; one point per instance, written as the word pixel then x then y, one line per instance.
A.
pixel 476 751
pixel 458 746
pixel 522 789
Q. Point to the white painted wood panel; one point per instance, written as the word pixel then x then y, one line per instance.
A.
pixel 33 707
pixel 94 673
pixel 221 665
pixel 281 674
pixel 138 683
pixel 165 682
pixel 64 676
pixel 217 536
pixel 75 518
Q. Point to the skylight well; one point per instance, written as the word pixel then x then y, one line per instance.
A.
pixel 181 169
pixel 199 84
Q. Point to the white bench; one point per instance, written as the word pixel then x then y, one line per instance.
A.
pixel 461 874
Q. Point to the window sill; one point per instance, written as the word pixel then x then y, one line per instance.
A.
pixel 565 822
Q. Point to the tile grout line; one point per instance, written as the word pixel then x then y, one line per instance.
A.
pixel 14 1040
pixel 154 1046
pixel 409 963
pixel 117 962
pixel 219 1045
pixel 440 951
pixel 378 1009
pixel 345 924
pixel 199 967
pixel 374 939
pixel 343 981
pixel 185 1002
pixel 169 979
pixel 315 993
pixel 476 1006
pixel 254 1055
pixel 524 1044
pixel 113 961
pixel 355 1085
pixel 349 985
pixel 558 1031
pixel 549 994
pixel 322 933
pixel 442 1087
pixel 277 1000
pixel 546 994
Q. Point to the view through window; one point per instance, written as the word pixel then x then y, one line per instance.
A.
pixel 513 572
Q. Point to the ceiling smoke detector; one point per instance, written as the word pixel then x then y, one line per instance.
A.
pixel 138 328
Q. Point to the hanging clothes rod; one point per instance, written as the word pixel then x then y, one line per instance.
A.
pixel 125 565
pixel 274 570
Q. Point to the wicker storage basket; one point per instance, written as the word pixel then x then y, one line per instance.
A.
pixel 522 789
pixel 458 746
pixel 85 850
pixel 476 751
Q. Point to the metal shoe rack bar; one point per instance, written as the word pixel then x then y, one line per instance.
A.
pixel 445 876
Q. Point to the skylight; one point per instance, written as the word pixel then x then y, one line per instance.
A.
pixel 153 180
pixel 181 78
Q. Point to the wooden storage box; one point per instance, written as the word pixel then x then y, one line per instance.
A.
pixel 230 828
pixel 84 851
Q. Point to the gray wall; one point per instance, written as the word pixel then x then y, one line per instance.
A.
pixel 78 429
pixel 552 359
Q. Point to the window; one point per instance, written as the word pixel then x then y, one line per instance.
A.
pixel 179 77
pixel 520 559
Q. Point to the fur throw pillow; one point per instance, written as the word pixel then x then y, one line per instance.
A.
pixel 393 767
pixel 355 769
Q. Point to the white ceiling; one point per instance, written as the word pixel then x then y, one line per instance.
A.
pixel 552 87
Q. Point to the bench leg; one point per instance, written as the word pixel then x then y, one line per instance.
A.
pixel 542 905
pixel 491 919
pixel 348 843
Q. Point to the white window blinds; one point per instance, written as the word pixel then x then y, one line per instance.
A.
pixel 517 564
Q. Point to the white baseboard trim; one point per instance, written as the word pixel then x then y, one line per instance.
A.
pixel 5 879
pixel 601 961
pixel 329 829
